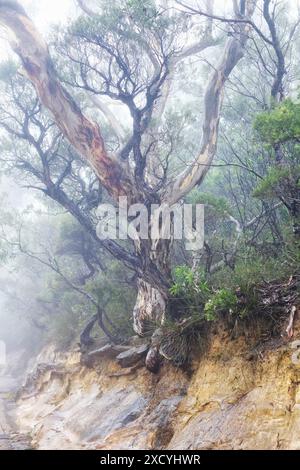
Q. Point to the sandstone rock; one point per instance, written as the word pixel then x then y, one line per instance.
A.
pixel 108 351
pixel 132 356
pixel 229 402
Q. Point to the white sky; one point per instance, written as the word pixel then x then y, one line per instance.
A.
pixel 46 12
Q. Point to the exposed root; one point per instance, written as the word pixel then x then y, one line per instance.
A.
pixel 289 330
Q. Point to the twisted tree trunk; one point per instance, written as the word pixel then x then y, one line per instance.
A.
pixel 151 303
pixel 114 174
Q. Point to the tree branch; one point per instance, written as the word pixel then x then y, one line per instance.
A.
pixel 277 87
pixel 240 229
pixel 82 133
pixel 154 167
pixel 239 20
pixel 87 10
pixel 213 101
pixel 109 115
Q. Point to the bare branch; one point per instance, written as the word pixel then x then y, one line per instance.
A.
pixel 222 19
pixel 277 87
pixel 86 9
pixel 109 115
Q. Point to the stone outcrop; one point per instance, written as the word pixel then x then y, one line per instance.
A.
pixel 108 351
pixel 130 357
pixel 229 399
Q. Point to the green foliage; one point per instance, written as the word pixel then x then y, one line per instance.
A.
pixel 279 130
pixel 122 17
pixel 144 12
pixel 190 286
pixel 230 292
pixel 202 301
pixel 224 300
pixel 281 124
pixel 276 180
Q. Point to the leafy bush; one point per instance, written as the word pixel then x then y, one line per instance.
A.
pixel 194 289
pixel 279 131
pixel 191 287
pixel 281 124
pixel 224 300
pixel 219 205
pixel 277 181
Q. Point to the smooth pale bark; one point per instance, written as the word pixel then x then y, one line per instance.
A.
pixel 155 167
pixel 86 137
pixel 150 301
pixel 194 173
pixel 110 116
pixel 82 133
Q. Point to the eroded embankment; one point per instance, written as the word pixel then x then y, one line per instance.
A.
pixel 230 399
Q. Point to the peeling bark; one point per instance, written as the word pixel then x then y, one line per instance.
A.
pixel 152 260
pixel 82 133
pixel 150 308
pixel 151 303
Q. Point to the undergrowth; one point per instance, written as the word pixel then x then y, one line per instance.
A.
pixel 255 296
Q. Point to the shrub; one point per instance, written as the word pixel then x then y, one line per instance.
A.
pixel 279 180
pixel 224 300
pixel 281 124
pixel 191 287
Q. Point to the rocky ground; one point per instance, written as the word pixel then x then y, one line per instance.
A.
pixel 10 438
pixel 233 397
pixel 228 399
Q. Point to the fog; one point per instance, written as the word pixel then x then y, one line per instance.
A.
pixel 18 285
pixel 21 280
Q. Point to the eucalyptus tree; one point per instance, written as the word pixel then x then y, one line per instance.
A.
pixel 131 53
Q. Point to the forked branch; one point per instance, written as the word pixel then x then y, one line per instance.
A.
pixel 213 100
pixel 82 133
